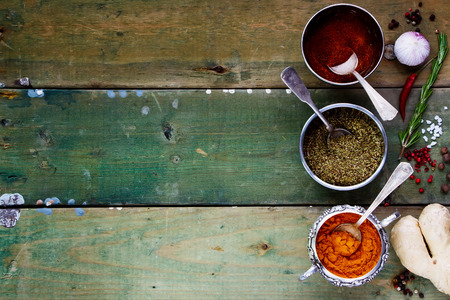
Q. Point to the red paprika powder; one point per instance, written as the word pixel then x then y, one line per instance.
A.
pixel 330 40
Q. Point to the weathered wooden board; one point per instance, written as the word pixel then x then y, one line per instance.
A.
pixel 177 253
pixel 181 44
pixel 184 147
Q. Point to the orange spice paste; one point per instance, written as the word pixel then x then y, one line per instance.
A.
pixel 341 254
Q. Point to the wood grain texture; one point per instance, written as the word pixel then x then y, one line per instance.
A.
pixel 94 137
pixel 191 148
pixel 177 253
pixel 181 44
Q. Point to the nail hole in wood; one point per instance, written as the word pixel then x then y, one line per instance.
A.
pixel 176 159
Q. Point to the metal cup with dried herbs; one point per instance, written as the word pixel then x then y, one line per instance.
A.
pixel 349 159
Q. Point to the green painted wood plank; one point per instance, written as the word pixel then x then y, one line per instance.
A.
pixel 191 147
pixel 177 253
pixel 178 44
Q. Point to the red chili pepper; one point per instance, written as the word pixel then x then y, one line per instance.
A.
pixel 407 89
pixel 405 93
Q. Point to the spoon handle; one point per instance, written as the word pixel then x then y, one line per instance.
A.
pixel 400 174
pixel 295 83
pixel 386 111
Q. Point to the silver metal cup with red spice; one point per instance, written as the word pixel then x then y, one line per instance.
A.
pixel 332 34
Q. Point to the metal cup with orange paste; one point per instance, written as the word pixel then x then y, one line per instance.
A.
pixel 353 268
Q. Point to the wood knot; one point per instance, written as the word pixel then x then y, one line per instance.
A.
pixel 262 248
pixel 6 122
pixel 168 131
pixel 46 138
pixel 217 69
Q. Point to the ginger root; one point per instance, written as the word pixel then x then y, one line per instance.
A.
pixel 408 238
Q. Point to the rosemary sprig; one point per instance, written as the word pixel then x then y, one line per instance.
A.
pixel 411 134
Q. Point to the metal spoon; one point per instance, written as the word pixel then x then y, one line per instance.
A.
pixel 386 111
pixel 400 174
pixel 294 82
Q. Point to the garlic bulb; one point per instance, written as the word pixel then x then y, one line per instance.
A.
pixel 411 48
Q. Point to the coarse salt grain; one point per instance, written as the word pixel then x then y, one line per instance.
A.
pixel 434 130
pixel 445 107
pixel 288 91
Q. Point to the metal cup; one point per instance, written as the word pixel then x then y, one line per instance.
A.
pixel 329 12
pixel 329 185
pixel 341 281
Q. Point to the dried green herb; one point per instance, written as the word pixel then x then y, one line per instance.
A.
pixel 349 159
